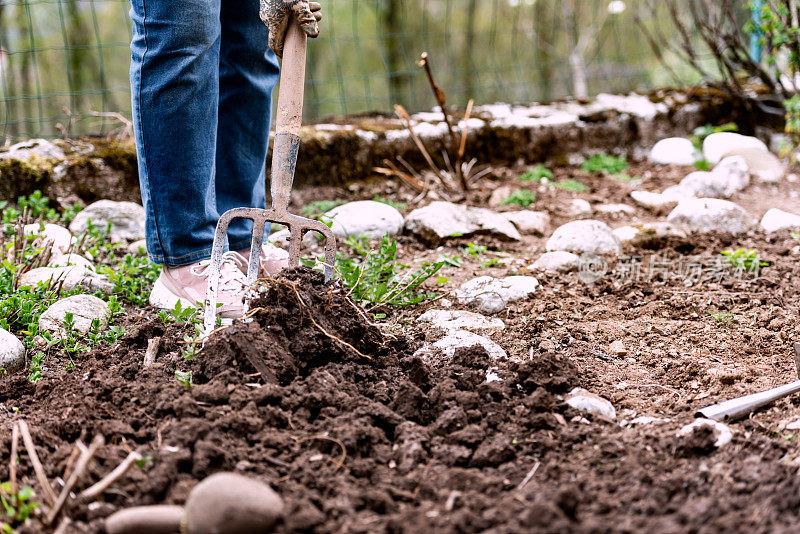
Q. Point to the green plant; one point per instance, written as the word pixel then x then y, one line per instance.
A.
pixel 605 163
pixel 132 277
pixel 722 317
pixel 193 343
pixel 399 206
pixel 700 133
pixel 475 250
pixel 449 261
pixel 571 185
pixel 376 278
pixel 521 197
pixel 319 207
pixel 179 314
pixel 493 262
pixel 624 177
pixel 37 369
pixel 703 165
pixel 18 507
pixel 536 174
pixel 184 378
pixel 796 234
pixel 744 259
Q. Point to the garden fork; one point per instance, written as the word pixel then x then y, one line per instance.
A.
pixel 284 160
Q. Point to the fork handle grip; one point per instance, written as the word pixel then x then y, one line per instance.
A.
pixel 293 78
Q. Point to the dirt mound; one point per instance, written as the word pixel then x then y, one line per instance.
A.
pixel 359 435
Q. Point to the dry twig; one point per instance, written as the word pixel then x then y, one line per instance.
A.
pixel 80 468
pixel 37 465
pixel 103 484
pixel 12 466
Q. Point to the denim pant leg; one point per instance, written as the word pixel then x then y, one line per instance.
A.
pixel 248 74
pixel 175 94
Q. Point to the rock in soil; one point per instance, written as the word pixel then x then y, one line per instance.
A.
pixel 673 150
pixel 460 320
pixel 765 167
pixel 557 262
pixel 716 145
pixel 84 308
pixel 12 352
pixel 126 218
pixel 584 236
pixel 703 436
pixel 160 519
pixel 585 401
pixel 776 219
pixel 529 222
pixel 442 220
pixel 655 202
pixel 227 503
pixel 491 295
pixel 60 236
pixel 33 147
pixel 69 278
pixel 461 339
pixel 703 215
pixel 70 259
pixel 649 236
pixel 365 218
pixel 730 176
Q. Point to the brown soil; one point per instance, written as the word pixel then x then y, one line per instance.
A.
pixel 359 435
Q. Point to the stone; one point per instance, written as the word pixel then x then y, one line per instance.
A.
pixel 460 320
pixel 656 202
pixel 703 215
pixel 228 503
pixel 529 222
pixel 717 145
pixel 127 219
pixel 730 176
pixel 154 519
pixel 12 352
pixel 764 166
pixel 584 236
pixel 585 401
pixel 776 219
pixel 500 195
pixel 617 348
pixel 673 150
pixel 84 308
pixel 649 235
pixel 70 259
pixel 60 236
pixel 579 209
pixel 722 433
pixel 441 220
pixel 615 210
pixel 457 339
pixel 491 295
pixel 557 262
pixel 364 218
pixel 137 248
pixel 70 277
pixel 33 147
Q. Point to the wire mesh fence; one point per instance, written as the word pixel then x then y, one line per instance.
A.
pixel 64 63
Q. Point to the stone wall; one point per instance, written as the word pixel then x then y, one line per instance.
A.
pixel 347 149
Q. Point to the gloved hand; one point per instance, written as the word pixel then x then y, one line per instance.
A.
pixel 275 14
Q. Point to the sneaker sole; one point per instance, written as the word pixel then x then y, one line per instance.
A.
pixel 163 298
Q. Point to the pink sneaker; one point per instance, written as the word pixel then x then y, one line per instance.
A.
pixel 273 260
pixel 188 285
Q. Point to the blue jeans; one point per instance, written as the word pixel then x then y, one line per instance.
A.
pixel 202 79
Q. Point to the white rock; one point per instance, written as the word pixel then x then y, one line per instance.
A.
pixel 529 222
pixel 460 320
pixel 138 248
pixel 127 219
pixel 647 420
pixel 281 238
pixel 70 259
pixel 674 150
pixel 585 401
pixel 764 166
pixel 711 215
pixel 776 219
pixel 557 262
pixel 457 339
pixel 440 220
pixel 648 233
pixel 717 145
pixel 579 209
pixel 655 202
pixel 617 348
pixel 722 432
pixel 676 193
pixel 72 277
pixel 615 209
pixel 491 295
pixel 730 176
pixel 84 308
pixel 584 236
pixel 499 196
pixel 12 352
pixel 33 147
pixel 365 218
pixel 60 236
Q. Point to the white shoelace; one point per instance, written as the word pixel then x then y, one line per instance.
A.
pixel 231 277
